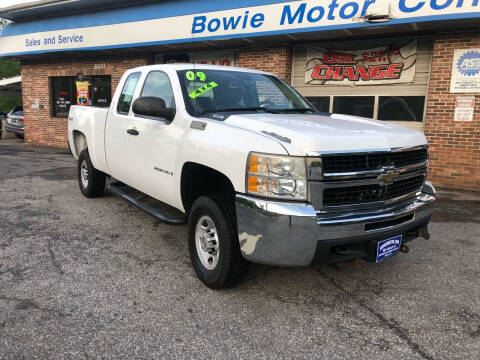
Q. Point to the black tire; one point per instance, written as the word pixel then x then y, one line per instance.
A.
pixel 231 267
pixel 95 184
pixel 20 136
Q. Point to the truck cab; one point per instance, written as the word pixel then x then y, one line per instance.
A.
pixel 257 173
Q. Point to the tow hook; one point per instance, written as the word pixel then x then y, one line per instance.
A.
pixel 358 263
pixel 424 233
pixel 404 249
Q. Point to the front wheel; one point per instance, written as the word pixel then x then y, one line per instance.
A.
pixel 213 243
pixel 90 180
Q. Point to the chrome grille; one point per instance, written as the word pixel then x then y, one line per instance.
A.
pixel 366 162
pixel 343 181
pixel 371 193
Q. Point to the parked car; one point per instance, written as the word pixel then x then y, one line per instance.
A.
pixel 15 122
pixel 255 171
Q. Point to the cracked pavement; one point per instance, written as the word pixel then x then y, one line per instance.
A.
pixel 99 278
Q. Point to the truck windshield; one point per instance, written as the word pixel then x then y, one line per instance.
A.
pixel 211 91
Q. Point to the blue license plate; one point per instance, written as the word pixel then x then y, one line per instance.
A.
pixel 389 247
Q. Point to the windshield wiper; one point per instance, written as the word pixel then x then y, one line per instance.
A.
pixel 302 110
pixel 271 111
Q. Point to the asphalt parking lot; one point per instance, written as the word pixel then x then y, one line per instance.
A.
pixel 99 278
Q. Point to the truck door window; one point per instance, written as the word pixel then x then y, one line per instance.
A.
pixel 127 93
pixel 158 85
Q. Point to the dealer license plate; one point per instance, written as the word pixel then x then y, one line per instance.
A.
pixel 389 247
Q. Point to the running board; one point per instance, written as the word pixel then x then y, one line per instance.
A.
pixel 115 188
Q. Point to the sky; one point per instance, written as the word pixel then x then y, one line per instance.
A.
pixel 7 3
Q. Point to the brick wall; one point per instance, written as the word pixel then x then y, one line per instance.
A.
pixel 41 128
pixel 275 59
pixel 454 146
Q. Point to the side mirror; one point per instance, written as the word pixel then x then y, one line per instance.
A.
pixel 152 107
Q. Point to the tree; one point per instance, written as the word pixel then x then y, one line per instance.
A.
pixel 8 68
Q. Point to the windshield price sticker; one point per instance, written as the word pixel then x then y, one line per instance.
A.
pixel 200 75
pixel 194 94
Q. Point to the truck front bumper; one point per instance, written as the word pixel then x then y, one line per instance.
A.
pixel 294 234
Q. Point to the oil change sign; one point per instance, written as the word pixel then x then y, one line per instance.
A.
pixel 383 65
pixel 466 71
pixel 263 18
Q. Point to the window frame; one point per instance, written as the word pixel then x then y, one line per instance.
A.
pixel 118 112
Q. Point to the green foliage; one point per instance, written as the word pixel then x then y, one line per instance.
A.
pixel 8 103
pixel 8 68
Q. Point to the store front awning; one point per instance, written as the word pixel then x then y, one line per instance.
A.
pixel 11 86
pixel 172 23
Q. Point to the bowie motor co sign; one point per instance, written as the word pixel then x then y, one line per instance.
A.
pixel 267 18
pixel 382 65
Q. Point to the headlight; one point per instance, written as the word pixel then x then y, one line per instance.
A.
pixel 282 177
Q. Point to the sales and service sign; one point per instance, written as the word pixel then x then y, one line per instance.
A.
pixel 382 65
pixel 466 71
pixel 263 18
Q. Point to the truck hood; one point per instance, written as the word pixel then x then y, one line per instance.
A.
pixel 301 134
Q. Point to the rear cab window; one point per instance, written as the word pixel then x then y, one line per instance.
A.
pixel 126 96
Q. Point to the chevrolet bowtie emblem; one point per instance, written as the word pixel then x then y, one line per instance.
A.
pixel 389 176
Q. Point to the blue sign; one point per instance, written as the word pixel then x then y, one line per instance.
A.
pixel 469 63
pixel 389 247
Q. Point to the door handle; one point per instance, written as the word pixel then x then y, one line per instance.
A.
pixel 132 132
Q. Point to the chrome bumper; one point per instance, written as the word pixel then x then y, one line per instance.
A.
pixel 288 234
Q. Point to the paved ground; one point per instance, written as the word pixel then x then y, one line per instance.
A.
pixel 98 278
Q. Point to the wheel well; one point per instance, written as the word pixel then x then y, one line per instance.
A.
pixel 200 180
pixel 79 142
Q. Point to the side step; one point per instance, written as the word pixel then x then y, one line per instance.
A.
pixel 116 189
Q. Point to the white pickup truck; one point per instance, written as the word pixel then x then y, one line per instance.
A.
pixel 257 173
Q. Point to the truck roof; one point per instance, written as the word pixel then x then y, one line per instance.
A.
pixel 188 66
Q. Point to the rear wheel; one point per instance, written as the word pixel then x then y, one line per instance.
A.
pixel 213 243
pixel 90 180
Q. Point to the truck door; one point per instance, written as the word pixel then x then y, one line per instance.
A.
pixel 119 122
pixel 154 149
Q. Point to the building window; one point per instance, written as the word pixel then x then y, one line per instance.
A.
pixel 321 103
pixel 354 105
pixel 67 91
pixel 401 108
pixel 388 108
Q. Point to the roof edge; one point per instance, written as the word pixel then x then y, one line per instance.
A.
pixel 29 5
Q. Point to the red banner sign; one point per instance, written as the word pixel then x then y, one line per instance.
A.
pixel 387 65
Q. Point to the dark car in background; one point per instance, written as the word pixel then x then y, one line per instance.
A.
pixel 15 122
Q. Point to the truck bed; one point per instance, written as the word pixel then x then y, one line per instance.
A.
pixel 91 121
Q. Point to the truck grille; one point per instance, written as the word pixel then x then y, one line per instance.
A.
pixel 340 181
pixel 371 193
pixel 373 161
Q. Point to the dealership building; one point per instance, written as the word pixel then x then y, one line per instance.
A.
pixel 411 62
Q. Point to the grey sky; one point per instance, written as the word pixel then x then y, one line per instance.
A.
pixel 7 3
